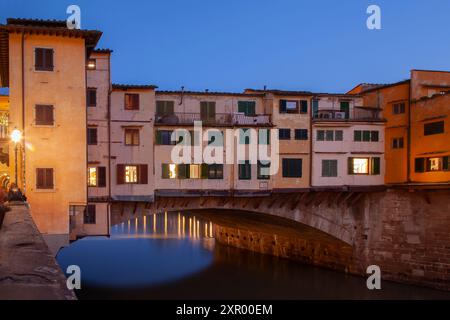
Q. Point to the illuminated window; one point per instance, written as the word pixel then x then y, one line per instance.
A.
pixel 131 137
pixel 360 166
pixel 92 177
pixel 131 174
pixel 434 164
pixel 194 171
pixel 92 64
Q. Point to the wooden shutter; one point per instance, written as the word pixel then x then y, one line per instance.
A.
pixel 375 166
pixel 350 165
pixel 419 165
pixel 446 163
pixel 143 174
pixel 92 97
pixel 303 106
pixel 135 101
pixel 120 174
pixel 204 168
pixel 165 171
pixel 39 58
pixel 182 171
pixel 48 58
pixel 101 177
pixel 283 104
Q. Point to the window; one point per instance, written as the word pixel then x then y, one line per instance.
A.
pixel 44 178
pixel 398 108
pixel 164 108
pixel 215 171
pixel 329 168
pixel 320 135
pixel 434 164
pixel 364 166
pixel 208 111
pixel 284 134
pixel 446 163
pixel 338 135
pixel 131 137
pixel 345 107
pixel 91 136
pixel 169 171
pixel 264 136
pixel 244 136
pixel 92 177
pixel 433 128
pixel 329 135
pixel 132 174
pixel 301 134
pixel 292 168
pixel 245 170
pixel 164 137
pixel 366 136
pixel 131 101
pixel 91 64
pixel 358 165
pixel 89 214
pixel 263 169
pixel 91 97
pixel 44 115
pixel 43 59
pixel 397 143
pixel 194 171
pixel 247 107
pixel 97 177
pixel 288 106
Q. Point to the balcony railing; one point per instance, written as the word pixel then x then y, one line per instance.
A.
pixel 357 113
pixel 223 119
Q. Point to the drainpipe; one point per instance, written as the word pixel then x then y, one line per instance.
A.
pixel 310 143
pixel 408 132
pixel 23 114
pixel 108 214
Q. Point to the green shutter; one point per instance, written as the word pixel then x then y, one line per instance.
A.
pixel 204 170
pixel 376 166
pixel 283 104
pixel 165 171
pixel 357 135
pixel 446 163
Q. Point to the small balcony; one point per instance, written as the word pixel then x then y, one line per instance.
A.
pixel 357 113
pixel 218 119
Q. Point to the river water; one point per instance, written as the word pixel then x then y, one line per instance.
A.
pixel 174 256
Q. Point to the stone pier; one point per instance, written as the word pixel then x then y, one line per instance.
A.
pixel 28 270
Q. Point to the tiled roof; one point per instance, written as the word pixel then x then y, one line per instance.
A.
pixel 210 93
pixel 116 86
pixel 374 87
pixel 281 92
pixel 103 50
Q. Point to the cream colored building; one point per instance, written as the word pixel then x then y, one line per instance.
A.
pixel 348 142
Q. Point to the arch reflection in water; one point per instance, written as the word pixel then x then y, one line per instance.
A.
pixel 143 252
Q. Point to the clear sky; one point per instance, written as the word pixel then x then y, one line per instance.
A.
pixel 229 45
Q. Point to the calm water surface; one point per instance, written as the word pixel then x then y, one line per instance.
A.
pixel 174 256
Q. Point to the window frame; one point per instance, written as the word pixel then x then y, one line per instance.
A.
pixel 133 143
pixel 132 107
pixel 45 187
pixel 44 68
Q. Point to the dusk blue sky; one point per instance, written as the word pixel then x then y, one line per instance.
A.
pixel 236 44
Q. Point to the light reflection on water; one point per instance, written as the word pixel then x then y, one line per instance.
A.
pixel 143 252
pixel 173 256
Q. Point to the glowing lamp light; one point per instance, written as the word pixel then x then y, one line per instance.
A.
pixel 16 136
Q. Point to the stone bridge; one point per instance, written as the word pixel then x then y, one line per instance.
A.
pixel 402 230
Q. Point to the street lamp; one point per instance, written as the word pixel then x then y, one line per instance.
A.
pixel 16 137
